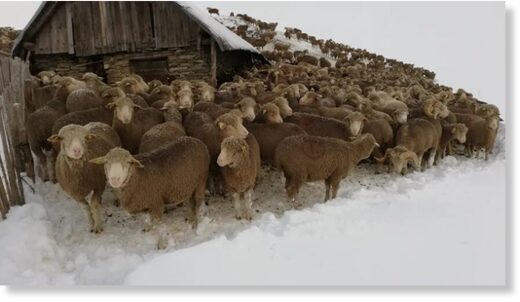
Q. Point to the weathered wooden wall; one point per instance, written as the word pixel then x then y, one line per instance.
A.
pixel 94 28
pixel 14 149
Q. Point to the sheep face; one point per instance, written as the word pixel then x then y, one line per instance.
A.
pixel 73 139
pixel 119 165
pixel 272 114
pixel 46 76
pixel 130 85
pixel 90 76
pixel 233 151
pixel 247 106
pixel 283 106
pixel 459 132
pixel 230 124
pixel 154 84
pixel 356 121
pixel 400 116
pixel 399 157
pixel 207 93
pixel 185 97
pixel 124 109
pixel 310 98
pixel 112 94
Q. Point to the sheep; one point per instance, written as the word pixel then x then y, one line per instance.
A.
pixel 322 126
pixel 451 132
pixel 308 59
pixel 413 140
pixel 211 132
pixel 283 106
pixel 46 76
pixel 132 85
pixel 162 93
pixel 372 114
pixel 282 46
pixel 239 162
pixel 481 135
pixel 324 62
pixel 82 99
pixel 185 98
pixel 383 133
pixel 270 114
pixel 174 174
pixel 206 93
pixel 65 86
pixel 269 136
pixel 130 126
pixel 161 134
pixel 212 11
pixel 39 126
pixel 76 175
pixel 154 84
pixel 94 82
pixel 313 158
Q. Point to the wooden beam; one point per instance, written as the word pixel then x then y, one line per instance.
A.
pixel 213 63
pixel 70 34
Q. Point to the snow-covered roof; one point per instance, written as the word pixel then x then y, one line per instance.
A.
pixel 225 38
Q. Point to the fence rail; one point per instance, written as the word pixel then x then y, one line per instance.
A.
pixel 14 150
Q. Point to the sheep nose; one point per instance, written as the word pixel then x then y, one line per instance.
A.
pixel 76 151
pixel 115 179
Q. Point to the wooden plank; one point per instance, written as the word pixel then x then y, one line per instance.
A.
pixel 213 63
pixel 70 34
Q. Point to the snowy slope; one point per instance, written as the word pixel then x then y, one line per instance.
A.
pixel 443 226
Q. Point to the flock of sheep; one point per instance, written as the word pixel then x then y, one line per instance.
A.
pixel 162 144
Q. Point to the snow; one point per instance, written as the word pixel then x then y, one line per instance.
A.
pixel 444 226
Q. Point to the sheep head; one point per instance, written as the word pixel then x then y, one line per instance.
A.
pixel 119 166
pixel 112 94
pixel 247 106
pixel 233 151
pixel 124 109
pixel 355 122
pixel 399 157
pixel 130 85
pixel 400 116
pixel 90 76
pixel 459 132
pixel 46 76
pixel 283 105
pixel 271 113
pixel 73 140
pixel 310 99
pixel 230 124
pixel 154 84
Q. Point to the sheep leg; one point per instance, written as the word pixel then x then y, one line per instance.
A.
pixel 237 205
pixel 450 149
pixel 86 208
pixel 327 189
pixel 431 157
pixel 335 187
pixel 97 213
pixel 196 201
pixel 247 202
pixel 42 168
pixel 293 187
pixel 151 220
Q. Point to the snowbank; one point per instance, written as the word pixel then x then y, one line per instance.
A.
pixel 450 232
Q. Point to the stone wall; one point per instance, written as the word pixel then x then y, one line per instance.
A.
pixel 64 65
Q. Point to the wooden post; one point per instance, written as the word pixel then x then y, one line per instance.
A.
pixel 70 35
pixel 213 63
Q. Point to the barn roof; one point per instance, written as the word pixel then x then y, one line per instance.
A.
pixel 225 38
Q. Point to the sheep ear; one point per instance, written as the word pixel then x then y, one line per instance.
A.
pixel 55 139
pixel 90 137
pixel 110 105
pixel 98 160
pixel 138 107
pixel 264 111
pixel 135 162
pixel 221 125
pixel 453 130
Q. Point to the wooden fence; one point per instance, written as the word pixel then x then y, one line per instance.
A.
pixel 15 156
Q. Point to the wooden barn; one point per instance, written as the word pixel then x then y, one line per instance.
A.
pixel 157 40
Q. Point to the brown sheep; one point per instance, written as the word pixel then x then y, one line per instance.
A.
pixel 39 127
pixel 82 99
pixel 174 174
pixel 312 158
pixel 269 114
pixel 131 126
pixel 212 11
pixel 413 140
pixel 246 106
pixel 83 117
pixel 270 135
pixel 167 132
pixel 76 176
pixel 239 162
pixel 383 133
pixel 451 132
pixel 481 135
pixel 308 59
pixel 94 82
pixel 281 46
pixel 46 76
pixel 283 106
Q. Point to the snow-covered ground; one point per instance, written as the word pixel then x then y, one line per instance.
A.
pixel 445 226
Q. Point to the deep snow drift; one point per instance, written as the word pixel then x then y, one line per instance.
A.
pixel 445 226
